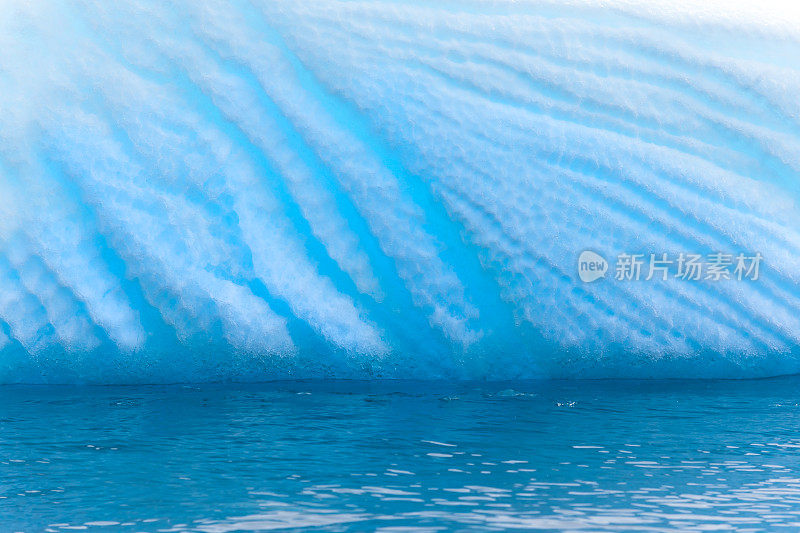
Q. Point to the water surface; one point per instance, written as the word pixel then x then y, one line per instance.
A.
pixel 402 456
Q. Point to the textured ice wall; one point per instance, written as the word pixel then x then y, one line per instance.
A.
pixel 196 191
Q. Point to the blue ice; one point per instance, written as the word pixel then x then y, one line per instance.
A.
pixel 206 191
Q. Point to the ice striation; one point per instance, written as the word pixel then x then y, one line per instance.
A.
pixel 264 189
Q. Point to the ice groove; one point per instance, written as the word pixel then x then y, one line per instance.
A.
pixel 620 200
pixel 703 230
pixel 650 133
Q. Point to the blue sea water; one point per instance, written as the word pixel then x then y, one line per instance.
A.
pixel 402 456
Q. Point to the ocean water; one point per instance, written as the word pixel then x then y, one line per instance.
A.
pixel 403 456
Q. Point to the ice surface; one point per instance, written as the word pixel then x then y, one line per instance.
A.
pixel 201 191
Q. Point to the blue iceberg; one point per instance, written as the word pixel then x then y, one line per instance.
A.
pixel 210 191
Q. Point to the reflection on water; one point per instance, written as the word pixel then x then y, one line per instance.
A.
pixel 339 456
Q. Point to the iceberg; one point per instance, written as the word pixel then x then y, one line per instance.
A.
pixel 212 191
